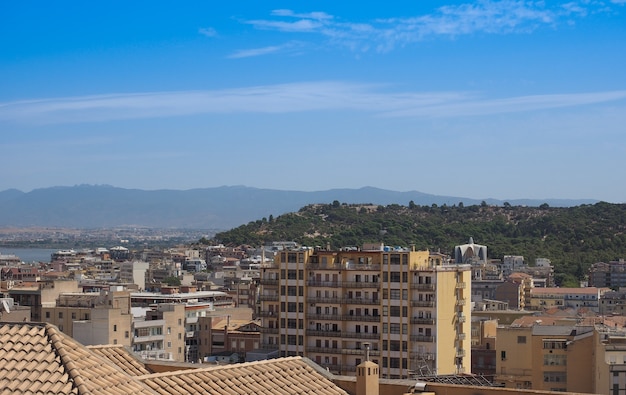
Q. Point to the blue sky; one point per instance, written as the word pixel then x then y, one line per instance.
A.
pixel 487 99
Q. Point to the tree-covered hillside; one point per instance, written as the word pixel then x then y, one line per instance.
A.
pixel 573 238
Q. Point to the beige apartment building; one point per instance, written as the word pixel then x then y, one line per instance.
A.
pixel 550 356
pixel 411 307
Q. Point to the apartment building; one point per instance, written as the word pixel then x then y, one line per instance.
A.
pixel 159 332
pixel 41 294
pixel 550 356
pixel 70 307
pixel 611 274
pixel 545 298
pixel 412 307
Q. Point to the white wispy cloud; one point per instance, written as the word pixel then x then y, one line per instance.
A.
pixel 287 98
pixel 247 53
pixel 207 31
pixel 486 16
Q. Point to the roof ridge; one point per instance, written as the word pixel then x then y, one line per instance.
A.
pixel 220 367
pixel 56 339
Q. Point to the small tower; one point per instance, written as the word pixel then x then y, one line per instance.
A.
pixel 367 375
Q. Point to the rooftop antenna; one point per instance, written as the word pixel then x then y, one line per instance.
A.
pixel 367 351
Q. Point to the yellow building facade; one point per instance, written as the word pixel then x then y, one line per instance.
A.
pixel 412 307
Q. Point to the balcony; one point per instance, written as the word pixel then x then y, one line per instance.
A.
pixel 190 334
pixel 269 346
pixel 359 351
pixel 460 353
pixel 269 281
pixel 460 336
pixel 269 330
pixel 361 301
pixel 460 285
pixel 460 302
pixel 461 318
pixel 423 287
pixel 365 318
pixel 148 339
pixel 316 332
pixel 360 284
pixel 269 298
pixel 422 338
pixel 423 303
pixel 330 284
pixel 324 317
pixel 325 300
pixel 427 356
pixel 360 335
pixel 323 350
pixel 423 321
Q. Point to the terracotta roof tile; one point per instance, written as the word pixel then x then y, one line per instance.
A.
pixel 288 376
pixel 38 358
pixel 121 357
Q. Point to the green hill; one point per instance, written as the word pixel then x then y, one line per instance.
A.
pixel 572 237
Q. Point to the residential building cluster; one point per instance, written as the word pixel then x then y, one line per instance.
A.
pixel 411 314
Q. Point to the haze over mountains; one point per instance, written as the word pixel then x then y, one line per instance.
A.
pixel 101 206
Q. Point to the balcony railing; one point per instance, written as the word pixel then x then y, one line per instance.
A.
pixel 366 318
pixel 461 318
pixel 460 336
pixel 427 356
pixel 359 351
pixel 267 314
pixel 361 301
pixel 423 303
pixel 460 302
pixel 331 284
pixel 324 317
pixel 423 321
pixel 325 300
pixel 269 281
pixel 423 287
pixel 315 332
pixel 323 350
pixel 270 298
pixel 345 266
pixel 360 335
pixel 460 353
pixel 460 285
pixel 268 330
pixel 360 284
pixel 422 338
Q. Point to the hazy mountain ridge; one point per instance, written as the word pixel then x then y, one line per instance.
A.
pixel 225 207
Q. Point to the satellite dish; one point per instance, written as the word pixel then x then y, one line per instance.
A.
pixel 5 306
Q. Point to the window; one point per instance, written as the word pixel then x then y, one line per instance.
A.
pixel 60 315
pixel 47 314
pixel 114 328
pixel 73 316
pixel 126 334
pixel 503 355
pixel 521 340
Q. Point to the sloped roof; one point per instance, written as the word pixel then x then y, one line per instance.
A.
pixel 122 358
pixel 291 375
pixel 38 358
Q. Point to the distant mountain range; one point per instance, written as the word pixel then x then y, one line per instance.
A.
pixel 103 206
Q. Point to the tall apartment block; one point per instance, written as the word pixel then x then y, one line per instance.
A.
pixel 412 307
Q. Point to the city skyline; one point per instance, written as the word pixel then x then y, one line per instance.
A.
pixel 488 99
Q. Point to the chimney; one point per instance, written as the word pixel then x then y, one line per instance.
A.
pixel 367 375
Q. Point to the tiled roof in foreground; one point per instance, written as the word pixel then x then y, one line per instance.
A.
pixel 121 358
pixel 283 376
pixel 39 359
